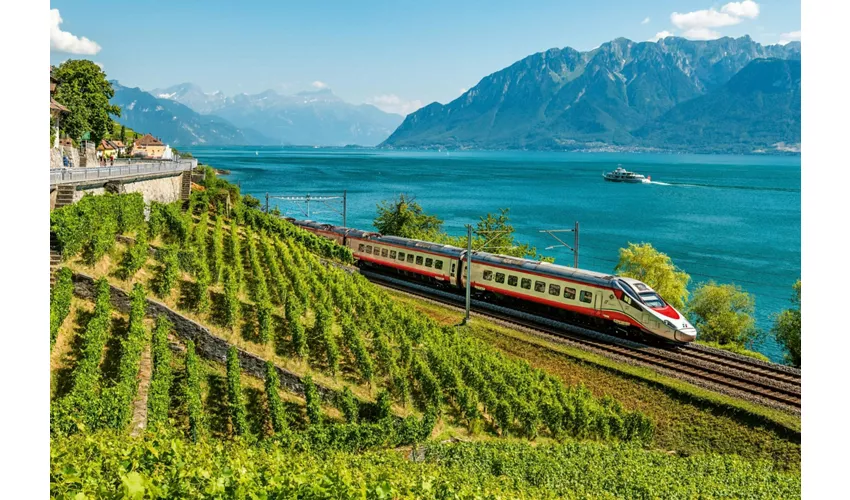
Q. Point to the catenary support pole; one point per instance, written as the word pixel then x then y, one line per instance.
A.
pixel 575 253
pixel 468 270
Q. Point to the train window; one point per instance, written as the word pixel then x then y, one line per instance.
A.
pixel 410 258
pixel 586 296
pixel 488 275
pixel 525 283
pixel 418 260
pixel 429 262
pixel 652 300
pixel 500 277
pixel 438 264
pixel 512 280
pixel 384 252
pixel 361 248
pixel 539 286
pixel 392 254
pixel 554 289
pixel 569 293
pixel 401 256
pixel 368 248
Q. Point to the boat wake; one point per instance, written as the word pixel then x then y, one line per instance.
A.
pixel 659 183
pixel 722 186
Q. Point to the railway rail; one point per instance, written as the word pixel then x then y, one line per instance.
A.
pixel 735 375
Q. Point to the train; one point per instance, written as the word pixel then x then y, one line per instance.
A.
pixel 612 304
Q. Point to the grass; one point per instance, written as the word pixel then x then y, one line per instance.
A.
pixel 736 348
pixel 689 420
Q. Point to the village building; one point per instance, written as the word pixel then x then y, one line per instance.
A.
pixel 148 146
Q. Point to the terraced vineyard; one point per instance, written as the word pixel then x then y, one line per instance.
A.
pixel 371 376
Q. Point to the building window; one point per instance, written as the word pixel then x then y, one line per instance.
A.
pixel 392 254
pixel 512 280
pixel 410 258
pixel 569 293
pixel 429 262
pixel 368 248
pixel 361 248
pixel 401 256
pixel 525 283
pixel 438 264
pixel 540 287
pixel 586 296
pixel 418 260
pixel 500 277
pixel 384 252
pixel 554 289
pixel 488 275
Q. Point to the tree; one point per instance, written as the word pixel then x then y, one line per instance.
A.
pixel 787 326
pixel 123 135
pixel 645 263
pixel 404 217
pixel 723 313
pixel 493 232
pixel 84 90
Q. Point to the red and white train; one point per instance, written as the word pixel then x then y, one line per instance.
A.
pixel 602 301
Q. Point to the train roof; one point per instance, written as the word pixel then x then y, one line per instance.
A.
pixel 422 245
pixel 544 268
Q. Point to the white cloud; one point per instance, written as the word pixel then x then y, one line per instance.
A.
pixel 645 20
pixel 63 41
pixel 660 35
pixel 793 36
pixel 392 103
pixel 701 24
pixel 463 90
pixel 319 85
pixel 747 8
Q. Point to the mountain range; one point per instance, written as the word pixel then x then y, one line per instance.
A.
pixel 176 124
pixel 732 95
pixel 308 118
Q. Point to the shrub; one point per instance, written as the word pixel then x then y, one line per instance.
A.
pixel 60 301
pixel 277 413
pixel 168 272
pixel 194 405
pixel 235 401
pixel 311 394
pixel 161 377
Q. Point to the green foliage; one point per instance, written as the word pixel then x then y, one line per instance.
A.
pixel 299 337
pixel 384 404
pixel 60 301
pixel 85 91
pixel 118 399
pixel 231 297
pixel 81 408
pixel 168 272
pixel 235 399
pixel 645 263
pixel 235 256
pixel 217 267
pixel 135 256
pixel 161 377
pixel 194 406
pixel 347 404
pixel 787 327
pixel 311 394
pixel 277 413
pixel 723 313
pixel 90 225
pixel 404 217
pixel 354 340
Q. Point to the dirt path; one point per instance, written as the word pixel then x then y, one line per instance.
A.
pixel 140 404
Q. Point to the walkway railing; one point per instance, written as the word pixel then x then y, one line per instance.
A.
pixel 119 171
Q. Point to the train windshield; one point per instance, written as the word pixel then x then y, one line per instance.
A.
pixel 652 300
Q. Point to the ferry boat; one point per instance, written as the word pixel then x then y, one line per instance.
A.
pixel 620 174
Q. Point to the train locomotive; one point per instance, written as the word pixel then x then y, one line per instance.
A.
pixel 609 303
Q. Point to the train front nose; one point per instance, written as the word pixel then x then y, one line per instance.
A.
pixel 688 334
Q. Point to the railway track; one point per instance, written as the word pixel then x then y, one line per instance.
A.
pixel 766 383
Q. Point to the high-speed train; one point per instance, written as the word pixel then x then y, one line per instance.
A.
pixel 601 301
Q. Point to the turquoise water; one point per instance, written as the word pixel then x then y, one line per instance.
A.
pixel 728 218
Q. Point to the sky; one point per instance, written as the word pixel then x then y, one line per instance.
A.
pixel 398 55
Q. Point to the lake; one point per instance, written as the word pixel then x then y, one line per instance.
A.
pixel 733 219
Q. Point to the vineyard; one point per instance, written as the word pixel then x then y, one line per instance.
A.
pixel 373 375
